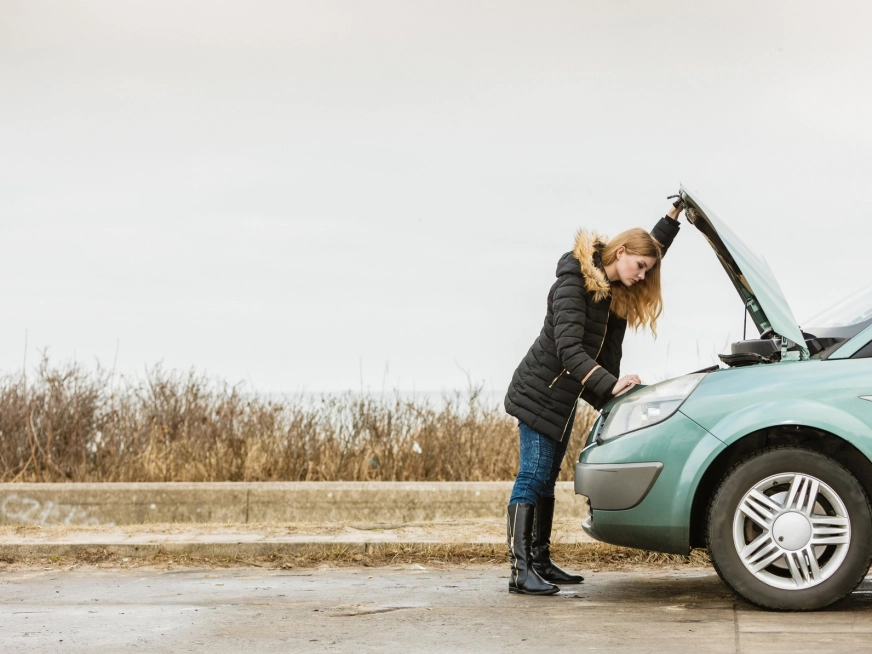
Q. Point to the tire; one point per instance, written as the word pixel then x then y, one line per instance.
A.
pixel 776 547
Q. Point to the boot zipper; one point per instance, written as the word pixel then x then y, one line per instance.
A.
pixel 512 545
pixel 603 342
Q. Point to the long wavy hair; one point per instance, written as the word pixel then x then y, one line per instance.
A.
pixel 641 303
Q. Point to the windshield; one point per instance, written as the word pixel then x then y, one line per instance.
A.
pixel 855 308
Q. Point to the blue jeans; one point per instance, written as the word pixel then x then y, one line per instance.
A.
pixel 540 464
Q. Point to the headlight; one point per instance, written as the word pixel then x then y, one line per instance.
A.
pixel 649 406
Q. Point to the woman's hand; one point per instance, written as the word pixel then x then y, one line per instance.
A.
pixel 625 383
pixel 676 209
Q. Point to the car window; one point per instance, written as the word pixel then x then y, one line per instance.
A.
pixel 864 352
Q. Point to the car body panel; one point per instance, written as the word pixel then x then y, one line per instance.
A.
pixel 661 521
pixel 749 272
pixel 821 394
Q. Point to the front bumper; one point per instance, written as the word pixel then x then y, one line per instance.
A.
pixel 641 485
pixel 615 487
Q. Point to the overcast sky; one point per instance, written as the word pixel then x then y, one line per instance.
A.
pixel 314 195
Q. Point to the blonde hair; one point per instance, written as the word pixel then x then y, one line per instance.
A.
pixel 640 304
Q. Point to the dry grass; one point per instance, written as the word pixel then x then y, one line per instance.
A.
pixel 583 556
pixel 596 556
pixel 71 423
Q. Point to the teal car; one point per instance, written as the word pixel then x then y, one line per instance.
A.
pixel 766 461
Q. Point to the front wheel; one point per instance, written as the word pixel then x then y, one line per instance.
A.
pixel 790 529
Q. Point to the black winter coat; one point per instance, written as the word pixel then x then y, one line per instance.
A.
pixel 579 334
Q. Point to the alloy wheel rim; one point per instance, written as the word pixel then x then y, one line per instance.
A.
pixel 791 531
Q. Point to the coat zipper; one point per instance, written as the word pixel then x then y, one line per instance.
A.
pixel 551 385
pixel 603 342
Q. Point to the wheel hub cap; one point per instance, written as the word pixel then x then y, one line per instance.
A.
pixel 792 531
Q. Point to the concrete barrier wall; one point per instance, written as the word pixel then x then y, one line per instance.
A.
pixel 240 502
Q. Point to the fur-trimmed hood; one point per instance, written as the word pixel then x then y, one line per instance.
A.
pixel 585 260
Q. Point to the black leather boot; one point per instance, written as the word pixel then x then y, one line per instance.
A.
pixel 541 547
pixel 519 528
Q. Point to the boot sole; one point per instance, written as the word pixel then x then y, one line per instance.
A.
pixel 526 592
pixel 563 583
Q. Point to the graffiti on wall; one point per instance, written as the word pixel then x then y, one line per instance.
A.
pixel 17 510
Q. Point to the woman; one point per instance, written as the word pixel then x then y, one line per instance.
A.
pixel 602 286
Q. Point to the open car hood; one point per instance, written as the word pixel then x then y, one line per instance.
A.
pixel 749 272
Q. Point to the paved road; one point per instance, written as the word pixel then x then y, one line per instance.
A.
pixel 406 609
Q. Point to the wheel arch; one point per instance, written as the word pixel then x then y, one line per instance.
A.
pixel 811 438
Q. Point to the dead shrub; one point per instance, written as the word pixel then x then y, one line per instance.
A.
pixel 72 423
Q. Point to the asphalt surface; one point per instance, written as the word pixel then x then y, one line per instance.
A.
pixel 403 609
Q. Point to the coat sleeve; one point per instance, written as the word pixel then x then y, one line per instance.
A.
pixel 569 307
pixel 611 361
pixel 665 231
pixel 613 347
